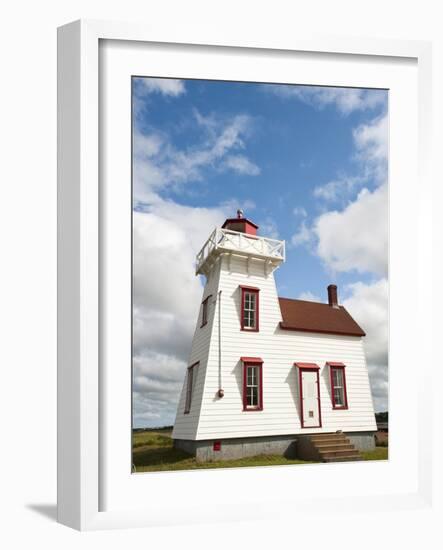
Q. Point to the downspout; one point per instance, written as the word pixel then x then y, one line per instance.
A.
pixel 221 391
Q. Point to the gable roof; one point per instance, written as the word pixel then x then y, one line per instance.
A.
pixel 317 317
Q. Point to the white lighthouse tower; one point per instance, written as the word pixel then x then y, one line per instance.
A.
pixel 265 371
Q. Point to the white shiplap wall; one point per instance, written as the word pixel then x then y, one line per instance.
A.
pixel 185 426
pixel 212 417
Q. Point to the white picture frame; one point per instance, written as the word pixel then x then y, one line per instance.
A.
pixel 81 396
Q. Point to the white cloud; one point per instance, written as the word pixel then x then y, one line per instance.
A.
pixel 309 296
pixel 241 165
pixel 368 304
pixel 371 153
pixel 338 188
pixel 372 145
pixel 158 163
pixel 303 236
pixel 166 86
pixel 268 228
pixel 346 100
pixel 357 237
pixel 299 211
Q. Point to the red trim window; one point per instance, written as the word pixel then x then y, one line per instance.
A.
pixel 205 311
pixel 338 386
pixel 252 384
pixel 190 386
pixel 249 308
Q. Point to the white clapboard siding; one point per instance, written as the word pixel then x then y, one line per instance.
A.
pixel 185 426
pixel 211 417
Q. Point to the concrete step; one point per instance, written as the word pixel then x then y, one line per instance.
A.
pixel 342 459
pixel 341 453
pixel 327 435
pixel 329 440
pixel 334 446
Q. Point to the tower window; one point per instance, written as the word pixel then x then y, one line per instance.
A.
pixel 252 384
pixel 205 304
pixel 190 386
pixel 250 308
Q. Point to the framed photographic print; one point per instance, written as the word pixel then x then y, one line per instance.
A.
pixel 239 269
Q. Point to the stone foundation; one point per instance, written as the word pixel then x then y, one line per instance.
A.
pixel 362 441
pixel 205 451
pixel 290 446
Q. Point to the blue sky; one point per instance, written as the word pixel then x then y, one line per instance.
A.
pixel 307 164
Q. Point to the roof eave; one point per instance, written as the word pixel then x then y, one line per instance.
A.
pixel 283 326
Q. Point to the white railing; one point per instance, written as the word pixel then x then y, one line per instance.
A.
pixel 234 241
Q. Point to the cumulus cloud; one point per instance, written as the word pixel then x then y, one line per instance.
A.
pixel 346 100
pixel 338 188
pixel 299 211
pixel 356 238
pixel 268 228
pixel 242 165
pixel 368 304
pixel 303 235
pixel 158 163
pixel 309 296
pixel 165 86
pixel 371 143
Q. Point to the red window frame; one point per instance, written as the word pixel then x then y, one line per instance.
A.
pixel 244 291
pixel 205 311
pixel 342 368
pixel 189 387
pixel 247 363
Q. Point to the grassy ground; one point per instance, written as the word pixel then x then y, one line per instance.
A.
pixel 153 452
pixel 379 453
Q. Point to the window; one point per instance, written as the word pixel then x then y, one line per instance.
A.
pixel 249 308
pixel 190 386
pixel 338 386
pixel 252 384
pixel 205 311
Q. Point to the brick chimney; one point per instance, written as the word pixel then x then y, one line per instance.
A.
pixel 332 296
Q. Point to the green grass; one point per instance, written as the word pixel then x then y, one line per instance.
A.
pixel 153 452
pixel 379 453
pixel 155 438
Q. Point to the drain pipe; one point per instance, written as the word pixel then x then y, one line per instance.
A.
pixel 221 391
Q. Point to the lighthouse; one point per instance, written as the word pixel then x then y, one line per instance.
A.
pixel 269 375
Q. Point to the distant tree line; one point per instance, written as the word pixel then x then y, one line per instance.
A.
pixel 161 428
pixel 382 417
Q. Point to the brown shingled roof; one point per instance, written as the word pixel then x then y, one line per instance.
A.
pixel 316 317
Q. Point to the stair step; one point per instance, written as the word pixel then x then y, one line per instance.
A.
pixel 331 441
pixel 339 439
pixel 342 453
pixel 327 434
pixel 334 446
pixel 342 459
